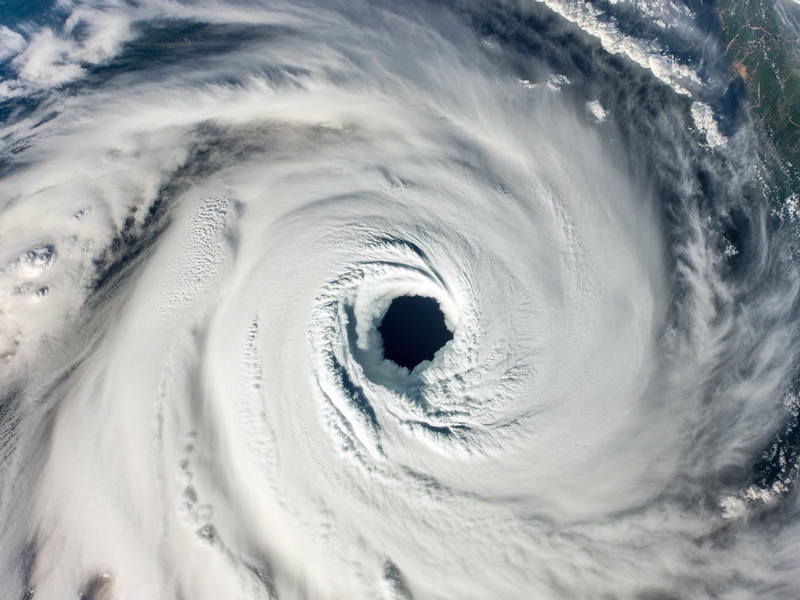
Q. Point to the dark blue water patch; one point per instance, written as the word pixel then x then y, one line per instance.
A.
pixel 413 330
pixel 743 232
pixel 35 12
pixel 11 159
pixel 534 35
pixel 160 45
pixel 16 109
pixel 396 582
pixel 158 49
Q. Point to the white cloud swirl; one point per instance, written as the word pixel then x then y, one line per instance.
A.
pixel 198 248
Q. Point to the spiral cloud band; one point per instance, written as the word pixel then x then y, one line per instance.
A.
pixel 208 209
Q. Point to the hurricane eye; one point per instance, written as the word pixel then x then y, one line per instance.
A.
pixel 413 330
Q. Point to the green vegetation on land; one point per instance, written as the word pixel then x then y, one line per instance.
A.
pixel 765 55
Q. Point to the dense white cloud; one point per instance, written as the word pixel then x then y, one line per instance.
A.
pixel 11 42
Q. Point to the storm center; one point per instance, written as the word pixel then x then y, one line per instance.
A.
pixel 413 330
